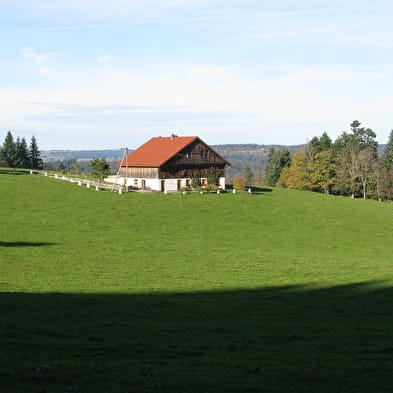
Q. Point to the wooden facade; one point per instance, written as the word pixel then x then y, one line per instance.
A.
pixel 139 172
pixel 195 157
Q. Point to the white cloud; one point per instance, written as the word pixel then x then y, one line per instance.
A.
pixel 40 60
pixel 105 59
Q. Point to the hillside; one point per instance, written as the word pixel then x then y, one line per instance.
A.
pixel 102 292
pixel 63 155
pixel 253 156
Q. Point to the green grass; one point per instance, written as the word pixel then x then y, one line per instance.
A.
pixel 280 291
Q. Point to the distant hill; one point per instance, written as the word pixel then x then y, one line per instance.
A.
pixel 250 155
pixel 81 155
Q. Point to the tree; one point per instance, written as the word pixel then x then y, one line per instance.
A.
pixel 76 166
pixel 312 149
pixel 248 175
pixel 364 137
pixel 367 167
pixel 354 166
pixel 317 145
pixel 323 170
pixel 277 160
pixel 384 184
pixel 35 154
pixel 238 183
pixel 99 168
pixel 8 151
pixel 325 142
pixel 387 156
pixel 348 170
pixel 384 187
pixel 297 175
pixel 195 177
pixel 212 175
pixel 22 153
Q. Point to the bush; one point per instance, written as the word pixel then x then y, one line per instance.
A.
pixel 239 183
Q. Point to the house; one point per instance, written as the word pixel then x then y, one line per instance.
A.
pixel 171 163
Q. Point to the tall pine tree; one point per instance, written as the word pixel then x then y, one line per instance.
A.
pixel 8 151
pixel 35 154
pixel 277 160
pixel 22 153
pixel 387 156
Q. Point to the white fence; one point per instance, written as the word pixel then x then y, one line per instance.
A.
pixel 82 182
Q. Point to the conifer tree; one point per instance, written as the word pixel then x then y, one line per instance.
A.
pixel 248 175
pixel 325 142
pixel 387 156
pixel 34 155
pixel 277 160
pixel 8 151
pixel 22 153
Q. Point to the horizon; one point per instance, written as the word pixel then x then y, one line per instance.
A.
pixel 81 75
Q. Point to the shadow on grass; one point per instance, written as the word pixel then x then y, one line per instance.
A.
pixel 284 339
pixel 260 189
pixel 10 171
pixel 25 244
pixel 254 189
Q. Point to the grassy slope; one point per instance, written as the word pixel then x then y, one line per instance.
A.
pixel 280 291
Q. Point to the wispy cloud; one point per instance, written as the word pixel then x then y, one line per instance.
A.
pixel 39 59
pixel 106 59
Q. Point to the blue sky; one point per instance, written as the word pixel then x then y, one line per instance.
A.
pixel 95 74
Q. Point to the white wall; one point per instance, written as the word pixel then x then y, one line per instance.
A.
pixel 154 184
pixel 170 185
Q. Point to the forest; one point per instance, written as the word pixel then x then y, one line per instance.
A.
pixel 349 166
pixel 17 154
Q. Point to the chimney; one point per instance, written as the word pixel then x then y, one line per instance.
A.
pixel 173 136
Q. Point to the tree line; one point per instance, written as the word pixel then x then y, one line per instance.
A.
pixel 17 154
pixel 348 166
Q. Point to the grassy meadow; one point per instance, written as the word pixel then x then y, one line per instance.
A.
pixel 277 291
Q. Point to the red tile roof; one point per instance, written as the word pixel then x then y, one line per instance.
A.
pixel 156 151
